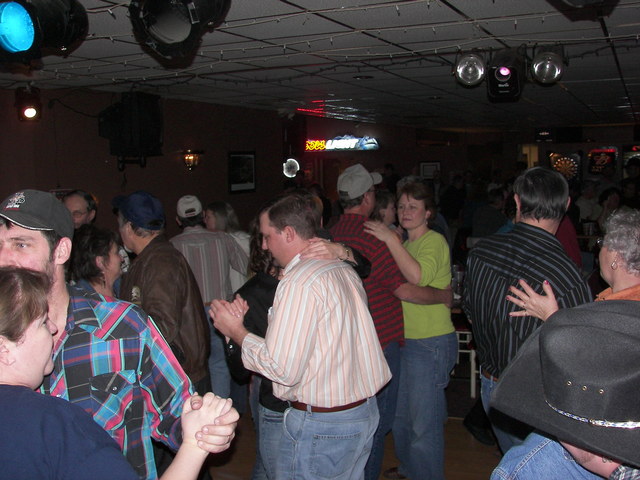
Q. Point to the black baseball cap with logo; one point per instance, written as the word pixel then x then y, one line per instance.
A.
pixel 37 210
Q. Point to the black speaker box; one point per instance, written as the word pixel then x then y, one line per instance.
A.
pixel 134 126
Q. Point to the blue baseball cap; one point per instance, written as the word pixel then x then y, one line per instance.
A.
pixel 142 209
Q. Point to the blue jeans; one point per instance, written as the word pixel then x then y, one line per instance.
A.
pixel 270 435
pixel 327 445
pixel 218 369
pixel 387 399
pixel 259 472
pixel 500 423
pixel 538 458
pixel 418 430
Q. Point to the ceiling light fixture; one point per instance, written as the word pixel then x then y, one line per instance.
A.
pixel 505 75
pixel 547 66
pixel 28 104
pixel 470 70
pixel 174 28
pixel 29 27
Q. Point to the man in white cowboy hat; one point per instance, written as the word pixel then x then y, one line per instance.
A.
pixel 577 379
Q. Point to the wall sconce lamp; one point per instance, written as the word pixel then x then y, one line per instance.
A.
pixel 470 70
pixel 191 158
pixel 28 104
pixel 29 26
pixel 547 66
pixel 174 28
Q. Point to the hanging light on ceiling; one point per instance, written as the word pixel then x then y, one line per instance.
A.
pixel 470 69
pixel 506 75
pixel 27 27
pixel 547 66
pixel 174 28
pixel 28 104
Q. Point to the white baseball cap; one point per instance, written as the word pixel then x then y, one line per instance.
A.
pixel 189 206
pixel 356 181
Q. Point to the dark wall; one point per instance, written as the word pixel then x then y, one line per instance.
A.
pixel 64 150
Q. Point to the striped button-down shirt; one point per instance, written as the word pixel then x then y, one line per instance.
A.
pixel 498 262
pixel 211 256
pixel 112 361
pixel 321 347
pixel 624 472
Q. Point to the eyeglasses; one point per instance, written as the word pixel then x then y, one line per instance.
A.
pixel 600 242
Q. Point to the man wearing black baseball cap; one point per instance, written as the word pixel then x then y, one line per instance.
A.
pixel 109 358
pixel 577 379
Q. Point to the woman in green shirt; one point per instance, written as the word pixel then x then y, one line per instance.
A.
pixel 430 349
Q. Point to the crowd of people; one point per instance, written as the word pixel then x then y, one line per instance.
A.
pixel 337 328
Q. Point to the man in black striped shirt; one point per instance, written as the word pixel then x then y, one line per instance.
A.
pixel 530 252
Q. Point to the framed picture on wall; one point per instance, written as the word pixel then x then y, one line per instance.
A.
pixel 427 169
pixel 242 172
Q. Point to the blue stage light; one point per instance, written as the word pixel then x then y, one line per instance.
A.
pixel 32 28
pixel 16 28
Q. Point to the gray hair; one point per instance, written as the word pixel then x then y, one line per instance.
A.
pixel 138 231
pixel 623 237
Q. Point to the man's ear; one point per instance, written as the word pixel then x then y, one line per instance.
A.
pixel 516 198
pixel 178 221
pixel 289 233
pixel 63 251
pixel 369 199
pixel 92 215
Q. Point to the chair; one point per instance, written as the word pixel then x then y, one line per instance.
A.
pixel 465 345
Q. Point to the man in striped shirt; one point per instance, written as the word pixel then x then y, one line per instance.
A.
pixel 212 256
pixel 109 357
pixel 530 252
pixel 320 350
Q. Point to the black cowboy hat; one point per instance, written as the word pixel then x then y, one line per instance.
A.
pixel 578 378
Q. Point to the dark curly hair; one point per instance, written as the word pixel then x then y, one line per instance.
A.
pixel 89 243
pixel 259 260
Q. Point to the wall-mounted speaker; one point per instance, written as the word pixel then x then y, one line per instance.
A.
pixel 134 126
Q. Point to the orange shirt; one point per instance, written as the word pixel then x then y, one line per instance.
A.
pixel 631 293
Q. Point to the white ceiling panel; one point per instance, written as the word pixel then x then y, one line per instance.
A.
pixel 279 54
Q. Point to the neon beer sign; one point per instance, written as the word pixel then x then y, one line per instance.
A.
pixel 343 143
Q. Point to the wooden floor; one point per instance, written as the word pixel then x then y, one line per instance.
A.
pixel 465 458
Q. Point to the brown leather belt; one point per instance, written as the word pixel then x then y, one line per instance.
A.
pixel 305 408
pixel 486 374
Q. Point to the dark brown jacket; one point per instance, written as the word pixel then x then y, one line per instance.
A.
pixel 161 282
